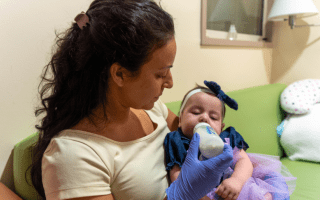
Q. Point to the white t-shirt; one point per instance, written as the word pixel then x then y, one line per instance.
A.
pixel 78 164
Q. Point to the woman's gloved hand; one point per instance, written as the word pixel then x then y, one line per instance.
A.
pixel 197 178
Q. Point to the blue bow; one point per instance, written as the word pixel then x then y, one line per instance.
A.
pixel 215 88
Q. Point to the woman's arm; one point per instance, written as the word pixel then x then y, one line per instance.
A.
pixel 172 120
pixel 7 194
pixel 104 197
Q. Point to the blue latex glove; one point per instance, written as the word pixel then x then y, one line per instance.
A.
pixel 197 178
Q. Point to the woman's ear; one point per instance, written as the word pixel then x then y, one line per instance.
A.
pixel 117 73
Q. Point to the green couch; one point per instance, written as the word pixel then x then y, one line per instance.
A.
pixel 257 118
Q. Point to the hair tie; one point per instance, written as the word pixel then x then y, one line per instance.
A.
pixel 82 20
pixel 214 87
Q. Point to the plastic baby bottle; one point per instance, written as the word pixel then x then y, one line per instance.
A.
pixel 211 144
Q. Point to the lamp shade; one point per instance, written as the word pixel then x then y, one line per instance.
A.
pixel 281 9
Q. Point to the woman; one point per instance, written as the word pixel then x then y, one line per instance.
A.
pixel 103 130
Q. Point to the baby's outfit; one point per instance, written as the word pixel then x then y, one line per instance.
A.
pixel 269 175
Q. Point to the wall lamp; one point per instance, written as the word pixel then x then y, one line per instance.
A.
pixel 292 9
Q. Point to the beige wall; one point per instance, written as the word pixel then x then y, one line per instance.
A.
pixel 26 37
pixel 232 67
pixel 296 53
pixel 28 33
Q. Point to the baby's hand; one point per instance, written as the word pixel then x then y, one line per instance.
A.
pixel 229 189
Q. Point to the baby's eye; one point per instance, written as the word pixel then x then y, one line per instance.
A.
pixel 196 112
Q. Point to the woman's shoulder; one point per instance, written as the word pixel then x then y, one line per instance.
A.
pixel 75 143
pixel 71 143
pixel 74 163
pixel 81 135
pixel 75 148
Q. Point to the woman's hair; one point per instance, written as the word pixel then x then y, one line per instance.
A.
pixel 223 109
pixel 75 81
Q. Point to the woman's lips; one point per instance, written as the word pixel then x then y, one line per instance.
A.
pixel 158 96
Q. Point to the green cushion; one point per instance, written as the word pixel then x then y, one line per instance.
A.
pixel 258 116
pixel 174 106
pixel 308 176
pixel 21 162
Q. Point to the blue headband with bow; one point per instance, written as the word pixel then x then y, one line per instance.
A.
pixel 215 88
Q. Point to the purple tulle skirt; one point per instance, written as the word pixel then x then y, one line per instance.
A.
pixel 269 175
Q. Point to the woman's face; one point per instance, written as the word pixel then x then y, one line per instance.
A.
pixel 201 107
pixel 155 75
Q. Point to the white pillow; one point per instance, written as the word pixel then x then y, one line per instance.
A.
pixel 300 96
pixel 301 135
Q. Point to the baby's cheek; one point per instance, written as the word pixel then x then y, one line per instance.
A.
pixel 188 130
pixel 189 133
pixel 217 128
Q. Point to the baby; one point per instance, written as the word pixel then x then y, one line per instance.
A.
pixel 203 104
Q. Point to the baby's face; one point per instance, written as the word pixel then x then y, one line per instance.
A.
pixel 201 107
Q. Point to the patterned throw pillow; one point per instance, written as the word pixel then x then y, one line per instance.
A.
pixel 300 96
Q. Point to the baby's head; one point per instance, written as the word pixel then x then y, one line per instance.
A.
pixel 201 105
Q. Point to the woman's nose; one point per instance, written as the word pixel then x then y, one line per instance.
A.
pixel 168 81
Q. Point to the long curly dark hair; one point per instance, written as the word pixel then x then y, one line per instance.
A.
pixel 75 81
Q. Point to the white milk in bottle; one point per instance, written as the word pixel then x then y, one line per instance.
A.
pixel 211 144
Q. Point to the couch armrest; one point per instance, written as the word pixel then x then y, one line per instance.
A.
pixel 21 161
pixel 174 106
